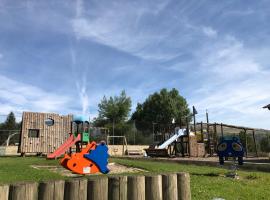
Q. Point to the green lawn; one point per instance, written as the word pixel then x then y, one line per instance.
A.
pixel 15 169
pixel 206 182
pixel 209 182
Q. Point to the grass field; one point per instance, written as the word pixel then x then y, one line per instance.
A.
pixel 206 182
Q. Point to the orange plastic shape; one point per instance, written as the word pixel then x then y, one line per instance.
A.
pixel 78 164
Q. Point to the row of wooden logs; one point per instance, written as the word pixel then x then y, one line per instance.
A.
pixel 148 187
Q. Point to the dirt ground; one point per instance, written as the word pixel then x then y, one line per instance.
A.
pixel 114 169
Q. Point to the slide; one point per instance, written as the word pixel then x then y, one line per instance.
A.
pixel 178 133
pixel 64 147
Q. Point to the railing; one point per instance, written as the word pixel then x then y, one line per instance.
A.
pixel 139 187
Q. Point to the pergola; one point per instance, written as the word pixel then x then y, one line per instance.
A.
pixel 267 106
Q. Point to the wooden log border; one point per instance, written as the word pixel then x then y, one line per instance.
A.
pixel 171 186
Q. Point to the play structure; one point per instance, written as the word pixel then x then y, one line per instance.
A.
pixel 83 157
pixel 169 146
pixel 39 137
pixel 230 147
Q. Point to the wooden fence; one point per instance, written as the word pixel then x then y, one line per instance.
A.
pixel 149 187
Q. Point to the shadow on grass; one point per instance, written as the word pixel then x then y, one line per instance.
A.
pixel 211 174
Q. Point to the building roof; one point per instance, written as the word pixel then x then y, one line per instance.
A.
pixel 267 106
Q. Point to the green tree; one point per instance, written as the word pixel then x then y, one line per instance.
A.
pixel 161 107
pixel 113 110
pixel 10 123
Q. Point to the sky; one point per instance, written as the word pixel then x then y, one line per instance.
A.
pixel 64 56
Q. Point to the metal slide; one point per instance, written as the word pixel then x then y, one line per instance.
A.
pixel 64 147
pixel 178 134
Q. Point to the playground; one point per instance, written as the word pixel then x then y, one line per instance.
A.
pixel 225 168
pixel 206 182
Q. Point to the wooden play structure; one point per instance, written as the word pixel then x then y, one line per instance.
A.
pixel 201 139
pixel 42 133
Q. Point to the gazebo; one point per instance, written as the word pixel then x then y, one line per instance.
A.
pixel 267 106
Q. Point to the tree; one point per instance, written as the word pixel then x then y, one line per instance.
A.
pixel 161 108
pixel 114 109
pixel 10 123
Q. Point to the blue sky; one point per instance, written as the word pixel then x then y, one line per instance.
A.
pixel 64 56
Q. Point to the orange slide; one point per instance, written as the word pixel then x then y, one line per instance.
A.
pixel 64 147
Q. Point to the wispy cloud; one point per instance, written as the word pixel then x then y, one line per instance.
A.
pixel 236 83
pixel 209 31
pixel 19 96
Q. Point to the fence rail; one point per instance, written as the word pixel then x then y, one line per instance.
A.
pixel 150 187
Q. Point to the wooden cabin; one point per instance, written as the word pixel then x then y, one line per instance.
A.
pixel 43 133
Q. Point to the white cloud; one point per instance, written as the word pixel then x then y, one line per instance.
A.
pixel 124 30
pixel 229 58
pixel 18 96
pixel 209 31
pixel 1 56
pixel 236 83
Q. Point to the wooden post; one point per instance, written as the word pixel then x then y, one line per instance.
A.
pixel 76 189
pixel 136 188
pixel 221 127
pixel 208 134
pixel 117 188
pixel 246 144
pixel 97 189
pixel 4 190
pixel 254 139
pixel 183 186
pixel 202 132
pixel 169 186
pixel 188 145
pixel 153 187
pixel 51 190
pixel 20 191
pixel 215 135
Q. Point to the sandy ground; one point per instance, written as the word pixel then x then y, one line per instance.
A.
pixel 114 169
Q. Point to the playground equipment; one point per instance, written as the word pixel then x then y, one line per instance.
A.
pixel 89 157
pixel 162 149
pixel 230 147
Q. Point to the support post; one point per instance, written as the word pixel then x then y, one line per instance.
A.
pixel 169 186
pixel 4 190
pixel 202 132
pixel 183 185
pixel 27 191
pixel 153 187
pixel 254 139
pixel 51 190
pixel 246 144
pixel 117 188
pixel 75 189
pixel 136 188
pixel 208 134
pixel 97 189
pixel 221 127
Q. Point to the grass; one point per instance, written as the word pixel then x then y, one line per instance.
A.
pixel 16 169
pixel 209 182
pixel 206 182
